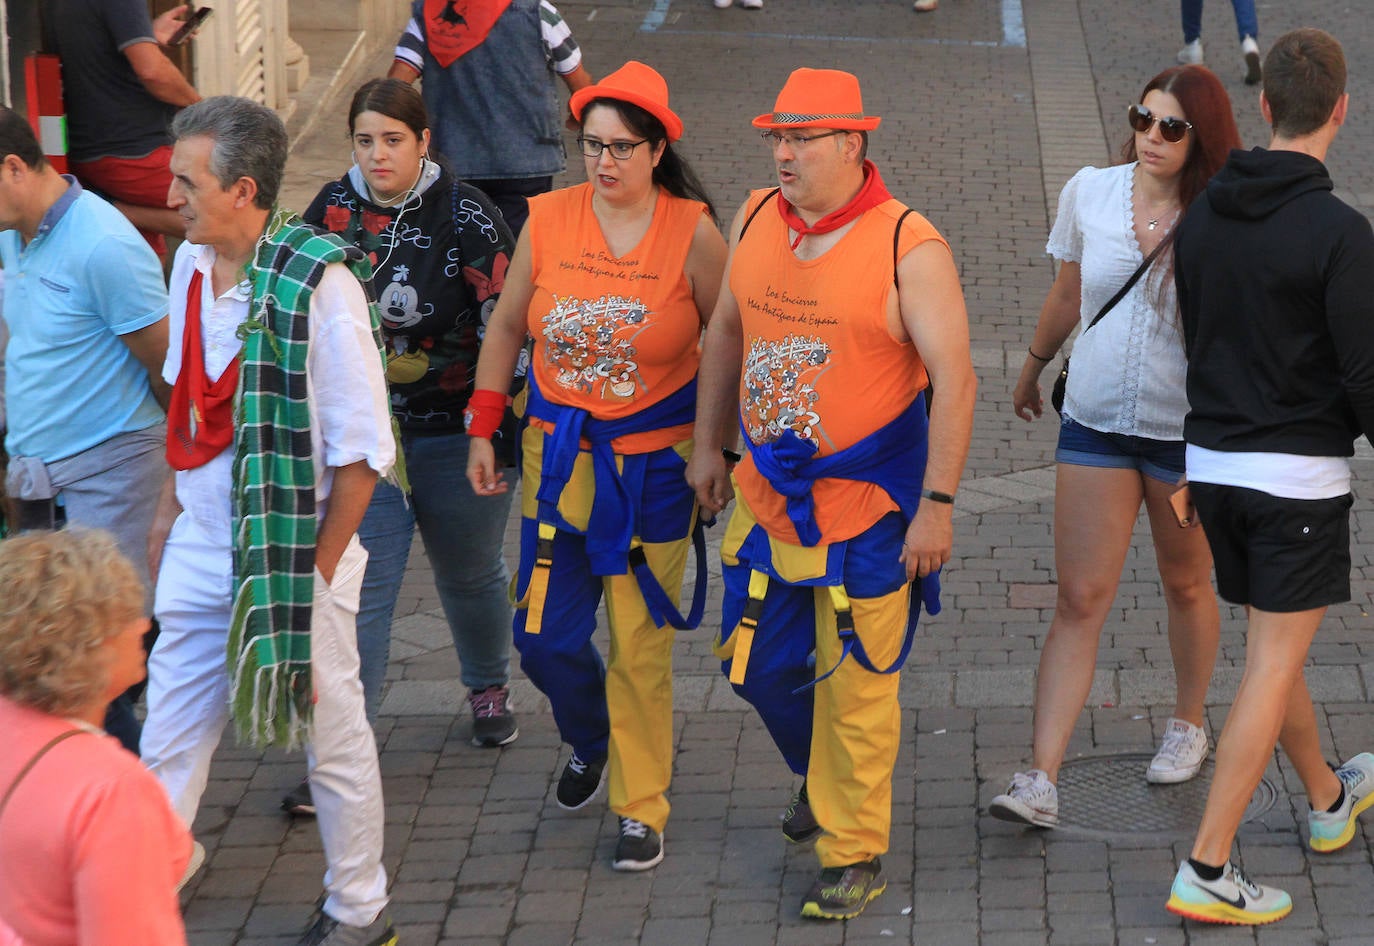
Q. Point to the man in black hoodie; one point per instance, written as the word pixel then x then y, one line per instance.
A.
pixel 1275 283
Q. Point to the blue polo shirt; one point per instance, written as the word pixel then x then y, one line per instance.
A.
pixel 85 279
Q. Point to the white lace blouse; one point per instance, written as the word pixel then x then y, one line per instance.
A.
pixel 1128 372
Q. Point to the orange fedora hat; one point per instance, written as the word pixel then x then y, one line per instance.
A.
pixel 819 98
pixel 637 84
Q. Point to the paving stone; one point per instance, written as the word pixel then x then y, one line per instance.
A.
pixel 1013 98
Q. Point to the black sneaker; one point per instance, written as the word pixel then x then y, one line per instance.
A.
pixel 841 893
pixel 493 724
pixel 798 823
pixel 327 931
pixel 298 802
pixel 579 782
pixel 639 848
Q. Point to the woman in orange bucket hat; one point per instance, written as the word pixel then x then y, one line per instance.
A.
pixel 614 279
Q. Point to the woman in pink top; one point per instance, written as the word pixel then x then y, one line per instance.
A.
pixel 90 849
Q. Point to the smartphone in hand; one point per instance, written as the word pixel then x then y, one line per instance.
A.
pixel 190 25
pixel 1184 511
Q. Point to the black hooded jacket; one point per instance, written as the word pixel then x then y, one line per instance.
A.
pixel 1275 283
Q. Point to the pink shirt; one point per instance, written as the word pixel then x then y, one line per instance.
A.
pixel 90 849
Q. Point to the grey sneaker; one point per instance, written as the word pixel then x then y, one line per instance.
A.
pixel 799 825
pixel 841 893
pixel 1031 798
pixel 1249 50
pixel 493 724
pixel 324 930
pixel 299 803
pixel 580 782
pixel 193 865
pixel 640 847
pixel 1191 54
pixel 1332 830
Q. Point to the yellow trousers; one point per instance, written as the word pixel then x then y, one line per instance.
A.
pixel 843 733
pixel 622 709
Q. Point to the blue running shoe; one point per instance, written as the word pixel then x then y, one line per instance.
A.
pixel 1332 830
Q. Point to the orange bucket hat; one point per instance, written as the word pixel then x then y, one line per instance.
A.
pixel 637 84
pixel 819 98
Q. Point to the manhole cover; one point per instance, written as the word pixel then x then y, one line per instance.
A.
pixel 1107 795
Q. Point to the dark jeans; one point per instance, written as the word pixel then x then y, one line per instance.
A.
pixel 511 197
pixel 1246 22
pixel 120 720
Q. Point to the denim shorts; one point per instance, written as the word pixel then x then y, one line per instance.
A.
pixel 1082 446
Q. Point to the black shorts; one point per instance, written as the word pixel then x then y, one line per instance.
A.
pixel 1280 555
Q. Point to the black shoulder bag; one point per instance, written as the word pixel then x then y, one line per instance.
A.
pixel 1061 382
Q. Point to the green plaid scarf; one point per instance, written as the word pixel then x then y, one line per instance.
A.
pixel 274 484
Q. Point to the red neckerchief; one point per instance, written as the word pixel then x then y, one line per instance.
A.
pixel 452 27
pixel 873 193
pixel 200 419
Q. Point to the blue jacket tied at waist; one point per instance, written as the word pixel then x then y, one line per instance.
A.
pixel 892 457
pixel 615 512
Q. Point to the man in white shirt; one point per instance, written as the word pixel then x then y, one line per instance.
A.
pixel 279 429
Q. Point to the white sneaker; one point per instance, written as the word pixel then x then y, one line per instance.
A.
pixel 751 4
pixel 1233 898
pixel 1332 830
pixel 194 864
pixel 1250 50
pixel 1180 756
pixel 1191 55
pixel 1031 798
pixel 925 6
pixel 722 4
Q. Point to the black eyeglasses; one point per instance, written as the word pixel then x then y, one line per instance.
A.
pixel 773 139
pixel 1170 129
pixel 620 150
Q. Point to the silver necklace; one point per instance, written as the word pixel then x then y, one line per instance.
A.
pixel 1155 222
pixel 1152 222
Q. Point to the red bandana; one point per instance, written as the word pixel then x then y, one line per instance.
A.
pixel 873 193
pixel 452 27
pixel 200 419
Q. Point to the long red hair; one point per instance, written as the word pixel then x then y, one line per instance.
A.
pixel 1207 106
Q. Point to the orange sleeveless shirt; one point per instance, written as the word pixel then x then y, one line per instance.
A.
pixel 612 335
pixel 819 358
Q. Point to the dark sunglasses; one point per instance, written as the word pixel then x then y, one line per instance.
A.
pixel 1170 129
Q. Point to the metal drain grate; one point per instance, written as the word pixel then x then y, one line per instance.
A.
pixel 1105 796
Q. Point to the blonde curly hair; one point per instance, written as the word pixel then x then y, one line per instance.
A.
pixel 62 596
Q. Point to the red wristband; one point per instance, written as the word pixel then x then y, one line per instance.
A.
pixel 484 412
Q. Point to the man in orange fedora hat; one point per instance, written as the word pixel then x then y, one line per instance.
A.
pixel 840 307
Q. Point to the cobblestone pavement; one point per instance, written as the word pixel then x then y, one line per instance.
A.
pixel 988 105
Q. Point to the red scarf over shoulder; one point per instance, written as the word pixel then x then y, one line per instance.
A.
pixel 453 27
pixel 200 417
pixel 870 195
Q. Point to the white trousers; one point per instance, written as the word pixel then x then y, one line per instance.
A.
pixel 188 707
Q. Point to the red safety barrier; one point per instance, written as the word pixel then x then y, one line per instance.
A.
pixel 47 114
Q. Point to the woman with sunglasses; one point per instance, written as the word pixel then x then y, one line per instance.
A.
pixel 614 279
pixel 1121 434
